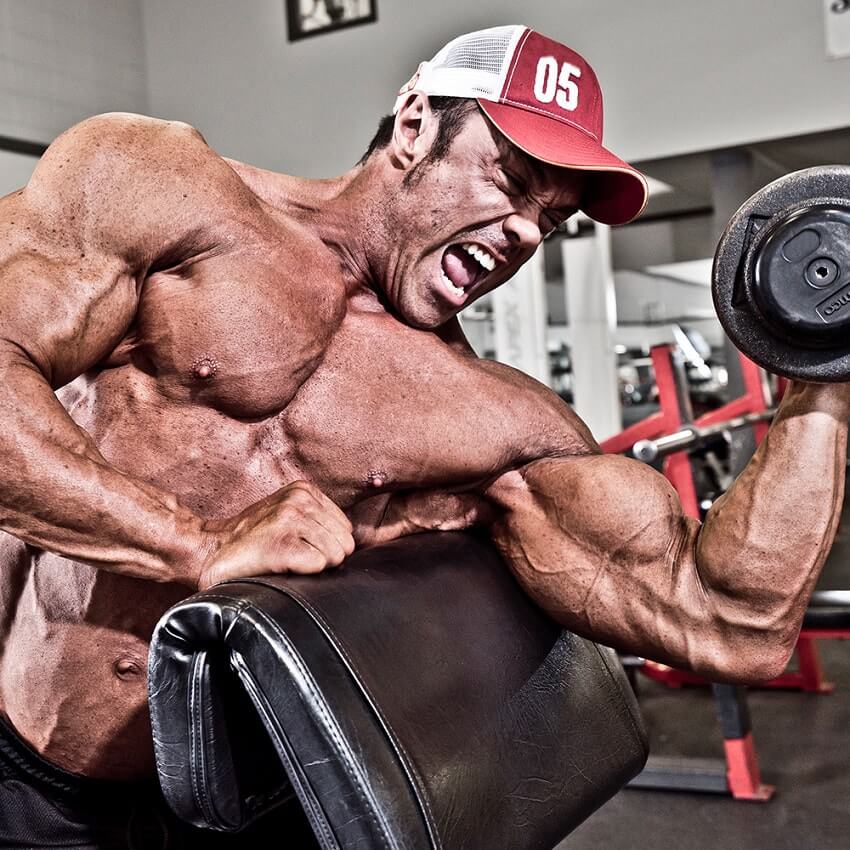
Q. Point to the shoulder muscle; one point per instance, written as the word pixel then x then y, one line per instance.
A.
pixel 112 197
pixel 130 187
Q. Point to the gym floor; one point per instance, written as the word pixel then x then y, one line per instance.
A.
pixel 803 745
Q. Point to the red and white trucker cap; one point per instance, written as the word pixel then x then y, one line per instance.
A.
pixel 546 100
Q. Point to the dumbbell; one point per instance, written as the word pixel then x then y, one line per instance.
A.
pixel 781 276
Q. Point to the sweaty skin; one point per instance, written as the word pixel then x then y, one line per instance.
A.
pixel 209 371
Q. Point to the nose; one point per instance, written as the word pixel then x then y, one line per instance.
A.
pixel 522 232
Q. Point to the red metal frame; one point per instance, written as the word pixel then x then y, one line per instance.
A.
pixel 673 677
pixel 666 420
pixel 826 634
pixel 670 418
pixel 808 676
pixel 754 400
pixel 742 770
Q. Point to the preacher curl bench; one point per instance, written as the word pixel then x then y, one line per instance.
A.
pixel 413 698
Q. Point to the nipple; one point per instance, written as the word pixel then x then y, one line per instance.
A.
pixel 377 479
pixel 204 368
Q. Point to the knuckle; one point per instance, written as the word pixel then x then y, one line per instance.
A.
pixel 304 488
pixel 289 514
pixel 297 496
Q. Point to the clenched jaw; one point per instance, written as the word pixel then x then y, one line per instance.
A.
pixel 462 267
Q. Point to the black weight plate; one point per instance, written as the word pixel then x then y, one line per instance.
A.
pixel 781 275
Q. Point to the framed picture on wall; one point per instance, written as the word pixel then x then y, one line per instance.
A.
pixel 305 18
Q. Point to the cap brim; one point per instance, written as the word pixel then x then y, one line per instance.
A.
pixel 617 193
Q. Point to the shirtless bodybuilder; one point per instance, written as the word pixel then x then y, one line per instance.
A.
pixel 209 370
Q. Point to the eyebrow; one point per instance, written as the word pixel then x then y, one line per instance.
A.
pixel 536 168
pixel 512 154
pixel 509 153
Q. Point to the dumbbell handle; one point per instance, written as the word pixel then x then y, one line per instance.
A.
pixel 693 435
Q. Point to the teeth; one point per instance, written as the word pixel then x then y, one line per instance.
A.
pixel 455 290
pixel 484 259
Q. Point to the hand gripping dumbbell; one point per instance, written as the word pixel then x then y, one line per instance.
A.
pixel 781 276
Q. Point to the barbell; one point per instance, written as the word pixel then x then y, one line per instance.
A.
pixel 694 436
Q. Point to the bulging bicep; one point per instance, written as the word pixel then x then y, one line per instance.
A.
pixel 62 308
pixel 607 505
pixel 602 543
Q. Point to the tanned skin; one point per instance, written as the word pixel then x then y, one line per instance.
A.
pixel 210 371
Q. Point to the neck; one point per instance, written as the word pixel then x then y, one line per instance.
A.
pixel 345 212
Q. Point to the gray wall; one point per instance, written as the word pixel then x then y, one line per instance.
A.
pixel 15 170
pixel 678 76
pixel 63 60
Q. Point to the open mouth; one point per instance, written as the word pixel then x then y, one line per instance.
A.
pixel 464 266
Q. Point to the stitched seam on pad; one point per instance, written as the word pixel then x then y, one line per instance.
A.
pixel 238 607
pixel 193 736
pixel 299 781
pixel 328 718
pixel 347 758
pixel 413 775
pixel 198 752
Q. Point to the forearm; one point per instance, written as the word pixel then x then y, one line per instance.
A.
pixel 765 541
pixel 58 493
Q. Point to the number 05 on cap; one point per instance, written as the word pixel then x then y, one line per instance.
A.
pixel 546 100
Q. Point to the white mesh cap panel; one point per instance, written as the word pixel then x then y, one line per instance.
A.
pixel 472 65
pixel 478 51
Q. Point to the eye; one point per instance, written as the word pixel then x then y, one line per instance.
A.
pixel 555 219
pixel 515 184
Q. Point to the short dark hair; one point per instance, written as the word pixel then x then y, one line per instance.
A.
pixel 451 112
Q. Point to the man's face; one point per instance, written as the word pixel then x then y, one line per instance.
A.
pixel 463 225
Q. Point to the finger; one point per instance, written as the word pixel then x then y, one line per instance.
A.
pixel 326 513
pixel 327 542
pixel 304 516
pixel 305 559
pixel 334 512
pixel 275 553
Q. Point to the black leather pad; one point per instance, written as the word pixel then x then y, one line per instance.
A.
pixel 413 698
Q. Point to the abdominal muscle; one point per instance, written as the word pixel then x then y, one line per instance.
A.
pixel 73 679
pixel 74 660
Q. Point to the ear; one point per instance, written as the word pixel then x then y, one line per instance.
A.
pixel 414 130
